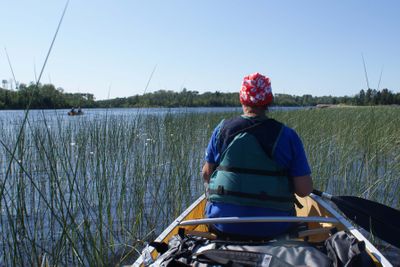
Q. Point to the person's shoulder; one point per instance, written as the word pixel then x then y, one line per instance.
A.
pixel 288 129
pixel 285 128
pixel 219 125
pixel 217 129
pixel 231 122
pixel 233 118
pixel 289 132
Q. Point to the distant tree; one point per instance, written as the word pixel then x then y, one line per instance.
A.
pixel 386 97
pixel 307 100
pixel 368 97
pixel 361 98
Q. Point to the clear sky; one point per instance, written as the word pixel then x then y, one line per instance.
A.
pixel 110 48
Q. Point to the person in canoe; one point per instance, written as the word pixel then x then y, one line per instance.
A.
pixel 254 165
pixel 73 112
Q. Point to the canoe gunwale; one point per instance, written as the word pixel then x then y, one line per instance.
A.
pixel 171 227
pixel 178 220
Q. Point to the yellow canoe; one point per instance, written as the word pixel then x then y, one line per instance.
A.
pixel 318 214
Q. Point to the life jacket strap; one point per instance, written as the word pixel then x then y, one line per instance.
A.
pixel 252 171
pixel 261 196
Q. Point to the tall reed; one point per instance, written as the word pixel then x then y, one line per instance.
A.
pixel 352 151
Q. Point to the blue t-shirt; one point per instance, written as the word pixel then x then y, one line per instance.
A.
pixel 289 153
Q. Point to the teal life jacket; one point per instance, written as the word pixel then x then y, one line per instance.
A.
pixel 247 173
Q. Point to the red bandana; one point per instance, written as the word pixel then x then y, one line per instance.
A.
pixel 256 90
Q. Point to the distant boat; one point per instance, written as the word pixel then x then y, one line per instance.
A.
pixel 75 113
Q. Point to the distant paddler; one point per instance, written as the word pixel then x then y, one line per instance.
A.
pixel 73 112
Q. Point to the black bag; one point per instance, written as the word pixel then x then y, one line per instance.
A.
pixel 180 250
pixel 200 252
pixel 346 251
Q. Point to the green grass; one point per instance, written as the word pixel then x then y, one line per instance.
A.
pixel 90 190
pixel 352 151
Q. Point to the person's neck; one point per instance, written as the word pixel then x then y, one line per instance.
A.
pixel 254 111
pixel 254 114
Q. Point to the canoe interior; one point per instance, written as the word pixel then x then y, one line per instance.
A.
pixel 310 208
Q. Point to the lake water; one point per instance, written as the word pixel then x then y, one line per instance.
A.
pixel 128 111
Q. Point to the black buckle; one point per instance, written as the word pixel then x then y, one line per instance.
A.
pixel 220 190
pixel 263 196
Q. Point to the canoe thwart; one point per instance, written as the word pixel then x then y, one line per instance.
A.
pixel 259 219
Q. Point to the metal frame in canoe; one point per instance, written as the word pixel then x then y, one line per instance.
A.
pixel 316 212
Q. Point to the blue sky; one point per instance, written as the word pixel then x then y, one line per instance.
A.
pixel 110 48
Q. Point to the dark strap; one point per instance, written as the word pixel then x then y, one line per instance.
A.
pixel 252 171
pixel 298 204
pixel 261 196
pixel 266 131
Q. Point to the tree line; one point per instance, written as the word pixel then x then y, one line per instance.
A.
pixel 44 96
pixel 47 96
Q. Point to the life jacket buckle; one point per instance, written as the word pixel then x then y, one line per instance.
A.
pixel 220 190
pixel 263 196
